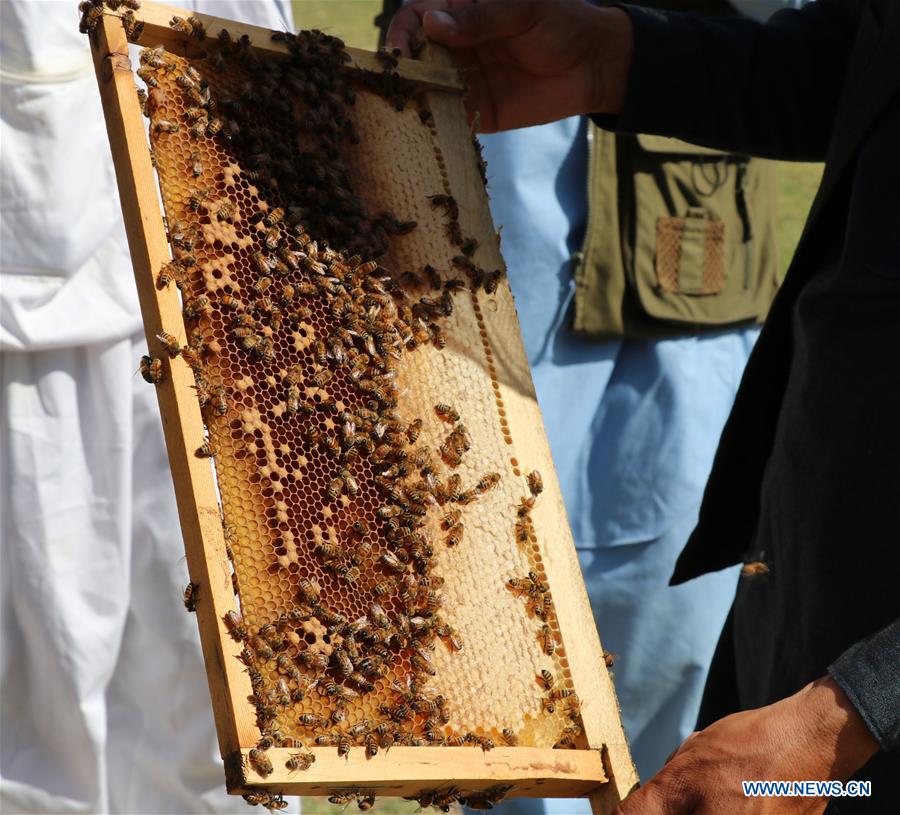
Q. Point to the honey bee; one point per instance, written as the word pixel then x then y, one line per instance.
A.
pixel 257 798
pixel 446 413
pixel 510 737
pixel 142 100
pixel 342 797
pixel 537 584
pixel 308 590
pixel 487 482
pixel 350 482
pixel 262 262
pixel 523 531
pixel 198 30
pixel 196 164
pixel 218 399
pixel 226 211
pixel 169 343
pixel 335 487
pixel 165 126
pixel 492 280
pixel 322 378
pixel 190 596
pixel 320 352
pixel 90 17
pixel 194 114
pixel 272 237
pixel 548 641
pixel 378 616
pixel 342 661
pixel 146 75
pixel 484 743
pixel 235 625
pixel 535 483
pixel 452 638
pixel 151 370
pixel 298 762
pixel 548 705
pixel 462 262
pixel 262 648
pixel 469 246
pixel 260 761
pixel 274 216
pixel 546 679
pixel 180 25
pixel 609 659
pixel 205 450
pixel 331 445
pixel 311 721
pixel 293 400
pixel 197 198
pixel 454 535
pixel 753 569
pixel 561 693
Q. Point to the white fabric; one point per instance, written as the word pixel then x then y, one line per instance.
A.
pixel 104 705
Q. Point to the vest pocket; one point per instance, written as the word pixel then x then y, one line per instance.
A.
pixel 690 254
pixel 693 226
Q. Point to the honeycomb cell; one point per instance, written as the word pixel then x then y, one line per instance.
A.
pixel 315 335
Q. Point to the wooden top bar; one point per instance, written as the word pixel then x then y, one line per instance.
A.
pixel 157 31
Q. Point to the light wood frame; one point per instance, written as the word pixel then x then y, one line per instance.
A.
pixel 604 772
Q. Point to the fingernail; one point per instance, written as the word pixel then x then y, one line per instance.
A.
pixel 443 20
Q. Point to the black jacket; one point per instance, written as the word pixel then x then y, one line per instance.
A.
pixel 807 475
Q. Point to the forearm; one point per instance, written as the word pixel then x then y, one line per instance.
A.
pixel 763 89
pixel 869 674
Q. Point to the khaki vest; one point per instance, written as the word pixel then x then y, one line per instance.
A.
pixel 680 239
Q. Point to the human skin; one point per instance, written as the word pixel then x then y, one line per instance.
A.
pixel 534 61
pixel 527 61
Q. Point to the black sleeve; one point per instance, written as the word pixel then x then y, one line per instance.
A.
pixel 767 89
pixel 869 673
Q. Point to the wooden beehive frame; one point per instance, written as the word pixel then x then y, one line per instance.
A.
pixel 604 772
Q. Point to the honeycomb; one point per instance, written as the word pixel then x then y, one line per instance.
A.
pixel 388 577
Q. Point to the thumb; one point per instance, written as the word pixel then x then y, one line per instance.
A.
pixel 473 24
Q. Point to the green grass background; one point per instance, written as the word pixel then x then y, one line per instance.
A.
pixel 352 20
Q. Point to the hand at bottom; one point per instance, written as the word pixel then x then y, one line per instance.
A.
pixel 815 735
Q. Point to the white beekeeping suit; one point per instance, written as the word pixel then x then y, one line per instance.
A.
pixel 104 704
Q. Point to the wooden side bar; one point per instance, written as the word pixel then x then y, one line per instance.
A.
pixel 405 771
pixel 198 506
pixel 599 708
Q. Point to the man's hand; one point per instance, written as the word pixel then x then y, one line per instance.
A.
pixel 528 61
pixel 816 735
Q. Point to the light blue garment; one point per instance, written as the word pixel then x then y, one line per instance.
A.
pixel 633 426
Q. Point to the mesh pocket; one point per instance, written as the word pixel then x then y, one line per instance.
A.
pixel 690 255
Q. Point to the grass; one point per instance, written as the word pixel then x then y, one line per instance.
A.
pixel 351 20
pixel 797 185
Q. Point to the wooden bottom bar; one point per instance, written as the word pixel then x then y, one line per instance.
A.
pixel 406 771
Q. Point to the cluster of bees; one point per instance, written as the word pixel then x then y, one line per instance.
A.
pixel 92 13
pixel 375 316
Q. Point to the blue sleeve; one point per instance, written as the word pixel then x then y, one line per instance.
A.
pixel 766 89
pixel 869 673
